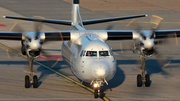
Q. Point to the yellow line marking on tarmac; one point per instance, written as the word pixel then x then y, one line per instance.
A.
pixel 61 35
pixel 38 17
pixel 8 53
pixel 176 38
pixel 79 84
pixel 10 74
pixel 137 69
pixel 166 65
pixel 13 27
pixel 55 63
pixel 130 22
pixel 121 48
pixel 28 72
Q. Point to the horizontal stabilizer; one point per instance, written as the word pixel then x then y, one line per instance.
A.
pixel 95 21
pixel 62 22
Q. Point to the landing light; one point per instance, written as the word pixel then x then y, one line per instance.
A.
pixel 95 85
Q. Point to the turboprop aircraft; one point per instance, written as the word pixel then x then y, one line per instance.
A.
pixel 85 51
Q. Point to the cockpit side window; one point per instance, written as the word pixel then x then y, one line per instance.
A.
pixel 104 53
pixel 91 53
pixel 81 53
pixel 84 53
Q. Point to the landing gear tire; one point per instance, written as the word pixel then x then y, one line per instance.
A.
pixel 35 81
pixel 101 93
pixel 139 80
pixel 96 93
pixel 147 83
pixel 27 82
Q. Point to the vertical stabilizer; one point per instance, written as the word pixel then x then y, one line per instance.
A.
pixel 76 17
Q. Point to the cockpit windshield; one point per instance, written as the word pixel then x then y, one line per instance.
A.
pixel 104 53
pixel 95 53
pixel 91 53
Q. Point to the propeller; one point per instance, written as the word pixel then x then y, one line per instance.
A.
pixel 31 44
pixel 146 42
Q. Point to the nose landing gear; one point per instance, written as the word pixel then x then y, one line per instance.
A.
pixel 31 78
pixel 98 91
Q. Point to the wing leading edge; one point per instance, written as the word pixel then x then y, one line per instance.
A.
pixel 111 35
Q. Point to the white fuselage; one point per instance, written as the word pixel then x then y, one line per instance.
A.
pixel 89 68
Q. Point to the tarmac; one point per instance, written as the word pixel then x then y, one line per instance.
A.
pixel 56 81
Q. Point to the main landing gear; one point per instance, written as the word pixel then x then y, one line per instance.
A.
pixel 31 78
pixel 141 79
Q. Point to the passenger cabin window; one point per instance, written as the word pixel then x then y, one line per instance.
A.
pixel 91 53
pixel 104 53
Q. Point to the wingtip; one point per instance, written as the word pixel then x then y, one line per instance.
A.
pixel 4 16
pixel 146 15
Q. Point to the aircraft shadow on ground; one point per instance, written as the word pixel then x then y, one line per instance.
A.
pixel 152 66
pixel 45 72
pixel 117 80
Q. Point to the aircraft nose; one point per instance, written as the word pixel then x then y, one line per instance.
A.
pixel 100 71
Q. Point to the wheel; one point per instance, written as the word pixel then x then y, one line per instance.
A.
pixel 96 93
pixel 139 80
pixel 147 83
pixel 35 81
pixel 27 82
pixel 101 93
pixel 23 50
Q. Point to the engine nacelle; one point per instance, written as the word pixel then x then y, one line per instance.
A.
pixel 33 53
pixel 146 52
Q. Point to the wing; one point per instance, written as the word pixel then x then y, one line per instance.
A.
pixel 110 34
pixel 167 33
pixel 49 35
pixel 130 34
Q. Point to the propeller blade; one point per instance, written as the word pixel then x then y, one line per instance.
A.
pixel 155 21
pixel 17 28
pixel 37 26
pixel 136 27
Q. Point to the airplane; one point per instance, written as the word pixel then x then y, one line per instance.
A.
pixel 85 51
